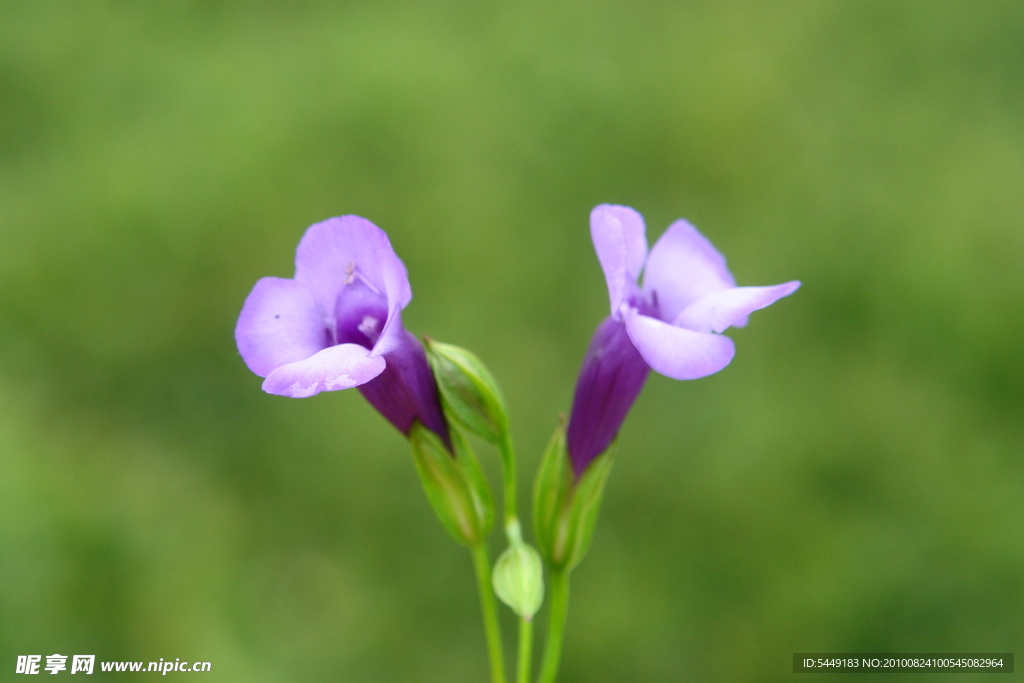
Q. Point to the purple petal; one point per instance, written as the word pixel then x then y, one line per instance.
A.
pixel 399 294
pixel 406 390
pixel 336 252
pixel 676 352
pixel 279 324
pixel 359 315
pixel 610 380
pixel 715 312
pixel 337 367
pixel 683 267
pixel 618 235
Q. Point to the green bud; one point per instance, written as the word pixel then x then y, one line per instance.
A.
pixel 469 393
pixel 455 486
pixel 565 508
pixel 519 577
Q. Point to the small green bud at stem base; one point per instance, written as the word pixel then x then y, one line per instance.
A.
pixel 519 579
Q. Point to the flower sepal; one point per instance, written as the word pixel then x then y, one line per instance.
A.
pixel 469 392
pixel 565 506
pixel 454 483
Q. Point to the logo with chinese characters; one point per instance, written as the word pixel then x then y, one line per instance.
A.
pixel 29 664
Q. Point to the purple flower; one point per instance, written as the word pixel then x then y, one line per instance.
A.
pixel 338 325
pixel 671 324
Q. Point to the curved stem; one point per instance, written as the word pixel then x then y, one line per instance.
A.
pixel 508 471
pixel 492 628
pixel 525 651
pixel 556 625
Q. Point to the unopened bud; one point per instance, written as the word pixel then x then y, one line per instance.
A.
pixel 468 390
pixel 519 579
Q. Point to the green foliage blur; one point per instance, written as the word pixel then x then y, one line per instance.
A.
pixel 852 482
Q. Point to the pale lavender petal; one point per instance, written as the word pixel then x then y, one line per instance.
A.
pixel 337 367
pixel 399 294
pixel 280 324
pixel 684 266
pixel 610 380
pixel 719 310
pixel 338 251
pixel 621 246
pixel 634 232
pixel 676 352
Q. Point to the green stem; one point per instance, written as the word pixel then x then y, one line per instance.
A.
pixel 489 608
pixel 525 650
pixel 559 580
pixel 508 470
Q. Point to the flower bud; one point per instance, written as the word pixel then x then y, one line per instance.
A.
pixel 469 393
pixel 565 506
pixel 519 577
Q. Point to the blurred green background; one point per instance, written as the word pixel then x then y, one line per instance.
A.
pixel 854 481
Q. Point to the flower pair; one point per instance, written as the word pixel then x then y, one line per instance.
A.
pixel 338 324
